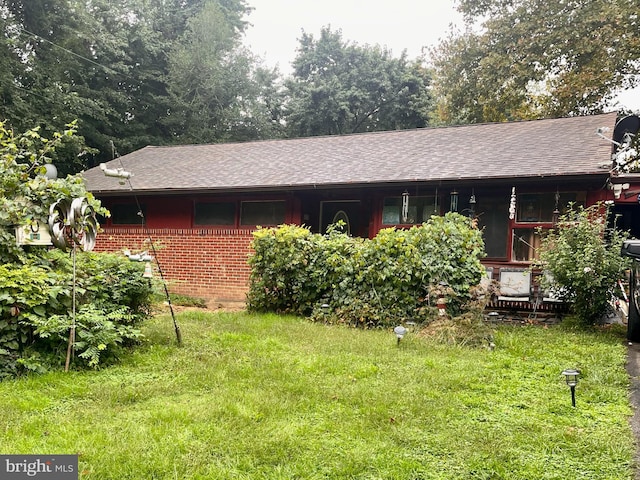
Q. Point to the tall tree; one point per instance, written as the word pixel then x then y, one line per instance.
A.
pixel 80 60
pixel 125 70
pixel 218 89
pixel 535 58
pixel 340 87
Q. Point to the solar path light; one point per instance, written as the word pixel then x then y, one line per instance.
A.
pixel 571 377
pixel 400 332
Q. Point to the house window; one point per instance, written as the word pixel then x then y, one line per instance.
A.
pixel 420 210
pixel 539 207
pixel 215 213
pixel 526 243
pixel 262 213
pixel 534 215
pixel 126 214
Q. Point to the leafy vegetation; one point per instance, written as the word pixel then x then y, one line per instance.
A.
pixel 136 73
pixel 339 87
pixel 25 192
pixel 368 283
pixel 128 70
pixel 263 396
pixel 582 258
pixel 36 303
pixel 535 59
pixel 37 284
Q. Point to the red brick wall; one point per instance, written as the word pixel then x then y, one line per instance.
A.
pixel 205 263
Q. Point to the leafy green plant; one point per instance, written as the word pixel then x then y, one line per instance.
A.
pixel 26 294
pixel 98 333
pixel 582 258
pixel 37 285
pixel 25 193
pixel 36 301
pixel 366 283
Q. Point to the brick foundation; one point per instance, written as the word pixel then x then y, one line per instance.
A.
pixel 205 263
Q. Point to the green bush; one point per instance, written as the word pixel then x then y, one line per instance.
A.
pixel 26 294
pixel 36 307
pixel 36 284
pixel 583 259
pixel 366 282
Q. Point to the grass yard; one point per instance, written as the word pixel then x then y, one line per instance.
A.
pixel 269 397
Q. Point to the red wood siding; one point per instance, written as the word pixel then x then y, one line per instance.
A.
pixel 206 263
pixel 211 262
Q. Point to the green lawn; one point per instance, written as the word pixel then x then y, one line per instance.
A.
pixel 269 397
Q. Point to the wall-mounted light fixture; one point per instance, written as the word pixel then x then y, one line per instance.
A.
pixel 472 204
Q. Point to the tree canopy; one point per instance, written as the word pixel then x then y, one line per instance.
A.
pixel 128 70
pixel 521 59
pixel 139 72
pixel 341 87
pixel 219 91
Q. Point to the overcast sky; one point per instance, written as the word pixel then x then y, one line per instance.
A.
pixel 398 24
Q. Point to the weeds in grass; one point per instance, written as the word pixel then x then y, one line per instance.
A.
pixel 188 301
pixel 467 330
pixel 262 396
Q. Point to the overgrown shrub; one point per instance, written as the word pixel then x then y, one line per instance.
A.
pixel 36 309
pixel 582 257
pixel 25 193
pixel 365 282
pixel 36 284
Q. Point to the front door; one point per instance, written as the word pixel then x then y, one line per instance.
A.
pixel 346 210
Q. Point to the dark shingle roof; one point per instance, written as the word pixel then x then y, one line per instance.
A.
pixel 537 148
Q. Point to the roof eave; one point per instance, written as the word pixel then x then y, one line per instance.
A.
pixel 570 176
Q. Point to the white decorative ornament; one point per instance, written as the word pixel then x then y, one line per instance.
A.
pixel 512 204
pixel 73 223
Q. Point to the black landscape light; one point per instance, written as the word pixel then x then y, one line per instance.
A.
pixel 571 377
pixel 400 332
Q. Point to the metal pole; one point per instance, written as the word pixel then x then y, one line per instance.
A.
pixel 573 395
pixel 72 332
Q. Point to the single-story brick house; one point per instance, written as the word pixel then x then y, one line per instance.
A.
pixel 202 202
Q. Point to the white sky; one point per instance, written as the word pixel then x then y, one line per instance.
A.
pixel 397 24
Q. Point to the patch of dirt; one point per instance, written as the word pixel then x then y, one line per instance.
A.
pixel 212 306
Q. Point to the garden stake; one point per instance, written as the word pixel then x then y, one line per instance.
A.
pixel 72 331
pixel 72 223
pixel 123 175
